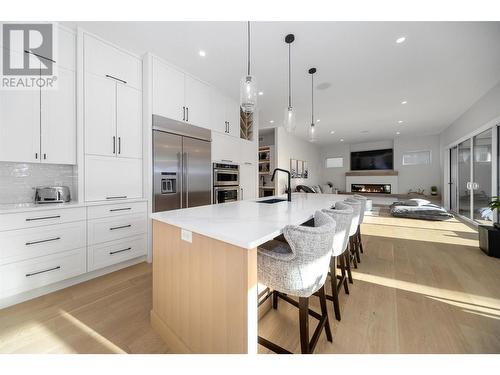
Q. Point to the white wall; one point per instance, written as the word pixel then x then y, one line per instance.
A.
pixel 289 147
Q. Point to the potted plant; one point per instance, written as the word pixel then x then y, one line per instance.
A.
pixel 495 204
pixel 434 190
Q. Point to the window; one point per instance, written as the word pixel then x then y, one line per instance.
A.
pixel 417 158
pixel 334 162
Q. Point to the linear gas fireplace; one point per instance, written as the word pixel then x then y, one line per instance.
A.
pixel 371 188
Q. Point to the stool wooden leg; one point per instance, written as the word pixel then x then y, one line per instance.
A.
pixel 335 293
pixel 347 256
pixel 360 241
pixel 275 299
pixel 343 272
pixel 352 251
pixel 304 324
pixel 324 313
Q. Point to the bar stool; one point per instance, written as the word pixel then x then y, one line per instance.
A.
pixel 362 217
pixel 347 258
pixel 299 267
pixel 356 206
pixel 343 219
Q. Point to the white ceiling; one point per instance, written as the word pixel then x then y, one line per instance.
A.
pixel 441 69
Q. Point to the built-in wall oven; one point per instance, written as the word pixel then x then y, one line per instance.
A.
pixel 226 183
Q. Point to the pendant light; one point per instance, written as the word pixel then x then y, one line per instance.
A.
pixel 313 128
pixel 289 118
pixel 248 86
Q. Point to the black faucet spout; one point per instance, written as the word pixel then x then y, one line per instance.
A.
pixel 289 190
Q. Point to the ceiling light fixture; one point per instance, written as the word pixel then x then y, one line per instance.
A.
pixel 404 102
pixel 261 93
pixel 400 40
pixel 202 53
pixel 318 120
pixel 289 118
pixel 248 87
pixel 341 139
pixel 332 132
pixel 271 121
pixel 400 121
pixel 313 128
pixel 398 133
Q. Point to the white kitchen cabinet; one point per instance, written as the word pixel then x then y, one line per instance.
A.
pixel 108 178
pixel 109 253
pixel 20 126
pixel 248 181
pixel 58 120
pixel 105 60
pixel 224 114
pixel 128 122
pixel 168 91
pixel 225 148
pixel 100 115
pixel 232 109
pixel 179 96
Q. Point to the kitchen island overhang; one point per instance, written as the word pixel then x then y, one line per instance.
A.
pixel 205 270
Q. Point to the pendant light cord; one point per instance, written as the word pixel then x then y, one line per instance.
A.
pixel 289 76
pixel 248 47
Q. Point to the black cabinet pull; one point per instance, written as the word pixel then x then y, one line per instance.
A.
pixel 117 197
pixel 187 113
pixel 120 209
pixel 43 218
pixel 116 79
pixel 119 145
pixel 42 241
pixel 114 145
pixel 119 251
pixel 39 272
pixel 36 155
pixel 121 227
pixel 44 156
pixel 183 113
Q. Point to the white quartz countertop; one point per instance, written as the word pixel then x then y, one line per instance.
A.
pixel 248 224
pixel 26 207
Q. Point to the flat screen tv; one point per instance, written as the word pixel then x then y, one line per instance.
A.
pixel 372 160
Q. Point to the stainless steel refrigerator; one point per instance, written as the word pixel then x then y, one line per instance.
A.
pixel 181 165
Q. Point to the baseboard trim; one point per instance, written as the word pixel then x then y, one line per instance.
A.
pixel 22 297
pixel 174 343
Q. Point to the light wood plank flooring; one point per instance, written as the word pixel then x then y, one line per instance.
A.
pixel 422 287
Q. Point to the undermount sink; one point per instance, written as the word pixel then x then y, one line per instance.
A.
pixel 273 200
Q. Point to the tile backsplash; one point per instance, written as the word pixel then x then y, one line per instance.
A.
pixel 18 180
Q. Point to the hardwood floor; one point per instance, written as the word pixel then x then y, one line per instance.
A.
pixel 421 287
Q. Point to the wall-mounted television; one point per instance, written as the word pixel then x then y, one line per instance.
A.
pixel 372 160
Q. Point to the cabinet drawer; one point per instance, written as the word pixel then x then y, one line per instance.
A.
pixel 19 245
pixel 103 255
pixel 115 228
pixel 103 59
pixel 37 218
pixel 34 273
pixel 113 210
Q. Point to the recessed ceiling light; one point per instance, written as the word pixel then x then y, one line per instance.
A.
pixel 318 120
pixel 272 121
pixel 332 132
pixel 398 133
pixel 364 131
pixel 341 139
pixel 404 102
pixel 261 93
pixel 400 121
pixel 400 40
pixel 202 53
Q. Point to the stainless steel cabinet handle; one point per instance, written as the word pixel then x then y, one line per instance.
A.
pixel 117 197
pixel 119 145
pixel 43 218
pixel 121 227
pixel 116 79
pixel 39 272
pixel 228 161
pixel 119 251
pixel 114 145
pixel 120 209
pixel 42 241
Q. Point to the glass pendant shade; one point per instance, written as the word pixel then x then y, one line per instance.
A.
pixel 289 119
pixel 313 133
pixel 248 94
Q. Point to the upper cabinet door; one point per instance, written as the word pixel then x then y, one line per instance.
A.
pixel 218 119
pixel 20 123
pixel 100 115
pixel 58 120
pixel 103 59
pixel 168 92
pixel 233 117
pixel 197 96
pixel 128 122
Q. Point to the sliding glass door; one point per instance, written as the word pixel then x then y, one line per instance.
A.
pixel 471 177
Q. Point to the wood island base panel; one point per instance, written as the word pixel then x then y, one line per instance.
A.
pixel 204 293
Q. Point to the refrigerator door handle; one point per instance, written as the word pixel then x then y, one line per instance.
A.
pixel 181 170
pixel 187 178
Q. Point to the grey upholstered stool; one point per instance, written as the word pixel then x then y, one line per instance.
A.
pixel 343 219
pixel 364 202
pixel 299 267
pixel 356 206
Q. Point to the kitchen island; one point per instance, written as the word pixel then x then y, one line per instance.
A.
pixel 205 269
